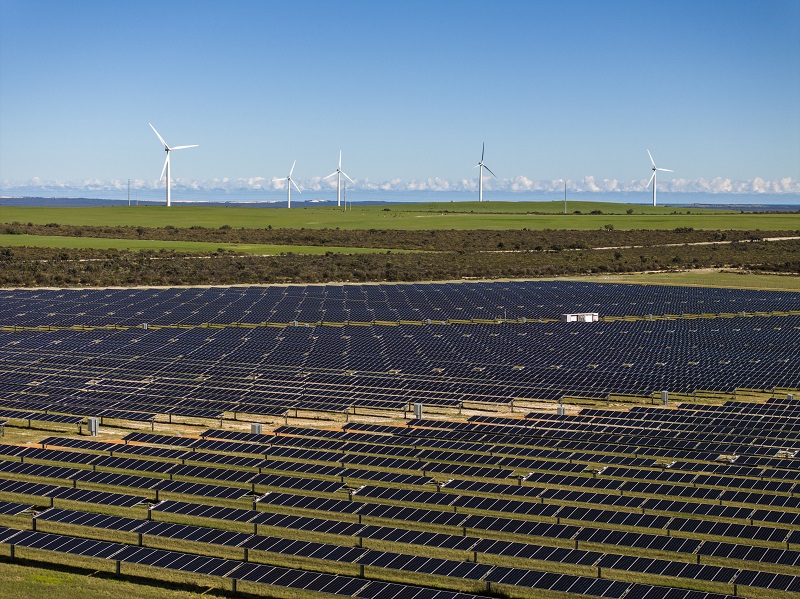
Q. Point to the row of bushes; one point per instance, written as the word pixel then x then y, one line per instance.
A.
pixel 48 267
pixel 435 240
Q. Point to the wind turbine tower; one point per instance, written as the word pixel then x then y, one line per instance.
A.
pixel 339 172
pixel 480 166
pixel 653 178
pixel 167 149
pixel 289 183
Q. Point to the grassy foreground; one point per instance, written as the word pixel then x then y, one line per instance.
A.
pixel 19 581
pixel 412 217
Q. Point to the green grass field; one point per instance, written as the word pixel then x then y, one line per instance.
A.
pixel 702 278
pixel 26 581
pixel 461 215
pixel 56 241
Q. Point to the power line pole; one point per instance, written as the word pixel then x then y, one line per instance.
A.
pixel 565 197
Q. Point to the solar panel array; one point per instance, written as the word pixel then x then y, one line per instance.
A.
pixel 267 371
pixel 683 497
pixel 368 303
pixel 567 500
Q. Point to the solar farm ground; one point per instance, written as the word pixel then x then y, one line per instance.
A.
pixel 491 494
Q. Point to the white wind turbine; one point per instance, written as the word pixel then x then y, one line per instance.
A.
pixel 167 149
pixel 339 172
pixel 289 183
pixel 653 178
pixel 480 166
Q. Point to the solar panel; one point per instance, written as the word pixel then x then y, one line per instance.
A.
pixel 173 560
pixel 9 508
pixel 283 577
pixel 132 464
pixel 98 497
pixel 96 477
pixel 304 502
pixel 101 521
pixel 204 511
pixel 64 544
pixel 222 475
pixel 54 455
pixel 158 439
pixel 414 537
pixel 403 495
pixel 619 538
pixel 307 485
pixel 223 459
pixel 155 452
pixel 406 514
pixel 197 534
pixel 317 525
pixel 178 487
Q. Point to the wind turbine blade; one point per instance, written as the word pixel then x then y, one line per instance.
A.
pixel 331 175
pixel 490 170
pixel 278 179
pixel 184 147
pixel 164 170
pixel 340 160
pixel 651 159
pixel 348 178
pixel 295 185
pixel 292 169
pixel 666 170
pixel 653 176
pixel 161 139
pixel 483 150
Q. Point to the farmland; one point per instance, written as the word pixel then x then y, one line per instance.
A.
pixel 411 217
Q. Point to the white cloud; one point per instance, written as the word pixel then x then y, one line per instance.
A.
pixel 520 184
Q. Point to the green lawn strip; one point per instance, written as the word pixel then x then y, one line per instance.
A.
pixel 303 563
pixel 668 581
pixel 214 481
pixel 307 535
pixel 192 247
pixel 462 215
pixel 747 565
pixel 139 511
pixel 245 503
pixel 184 546
pixel 28 580
pixel 87 532
pixel 133 470
pixel 260 489
pixel 448 583
pixel 202 521
pixel 701 278
pixel 263 589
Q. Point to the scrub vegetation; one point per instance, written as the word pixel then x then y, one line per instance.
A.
pixel 155 246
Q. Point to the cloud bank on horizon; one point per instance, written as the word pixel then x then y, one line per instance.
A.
pixel 518 184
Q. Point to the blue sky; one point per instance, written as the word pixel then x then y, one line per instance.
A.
pixel 408 90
